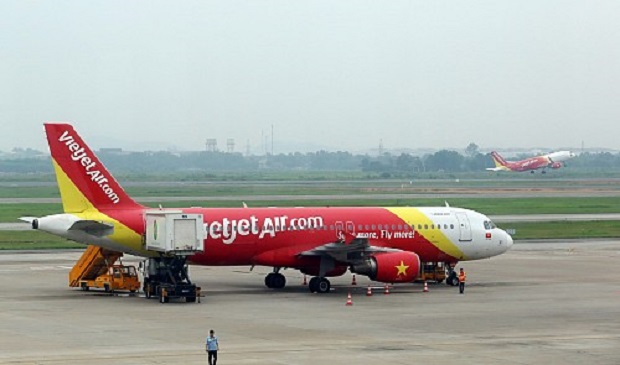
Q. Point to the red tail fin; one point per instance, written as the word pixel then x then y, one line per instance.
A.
pixel 78 170
pixel 498 159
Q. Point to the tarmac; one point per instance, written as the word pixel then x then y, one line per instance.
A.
pixel 543 302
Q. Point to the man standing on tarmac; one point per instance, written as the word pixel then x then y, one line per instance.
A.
pixel 462 278
pixel 212 347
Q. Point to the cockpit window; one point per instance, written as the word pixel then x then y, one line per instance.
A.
pixel 489 225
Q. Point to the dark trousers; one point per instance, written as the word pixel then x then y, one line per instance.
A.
pixel 461 287
pixel 212 357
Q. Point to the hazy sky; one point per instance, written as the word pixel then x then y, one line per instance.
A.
pixel 338 74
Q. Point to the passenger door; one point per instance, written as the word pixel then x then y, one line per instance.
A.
pixel 464 227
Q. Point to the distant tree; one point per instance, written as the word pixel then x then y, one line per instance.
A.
pixel 444 160
pixel 471 150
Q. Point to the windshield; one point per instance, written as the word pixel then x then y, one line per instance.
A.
pixel 489 225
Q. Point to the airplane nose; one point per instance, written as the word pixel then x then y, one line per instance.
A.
pixel 509 241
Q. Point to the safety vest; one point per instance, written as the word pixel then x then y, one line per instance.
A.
pixel 462 277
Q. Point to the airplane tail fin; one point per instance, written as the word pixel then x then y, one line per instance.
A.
pixel 499 160
pixel 83 181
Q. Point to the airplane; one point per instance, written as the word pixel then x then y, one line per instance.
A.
pixel 387 244
pixel 553 160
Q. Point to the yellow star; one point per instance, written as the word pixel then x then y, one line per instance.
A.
pixel 402 268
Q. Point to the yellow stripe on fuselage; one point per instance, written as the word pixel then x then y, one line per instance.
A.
pixel 75 203
pixel 438 239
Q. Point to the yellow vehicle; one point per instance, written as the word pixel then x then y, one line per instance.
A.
pixel 118 277
pixel 432 271
pixel 96 269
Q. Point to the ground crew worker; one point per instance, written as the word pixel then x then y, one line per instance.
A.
pixel 462 277
pixel 212 346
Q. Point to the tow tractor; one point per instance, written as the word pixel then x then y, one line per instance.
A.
pixel 174 236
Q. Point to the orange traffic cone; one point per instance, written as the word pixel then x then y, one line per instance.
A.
pixel 305 281
pixel 349 301
pixel 425 287
pixel 386 290
pixel 369 291
pixel 353 281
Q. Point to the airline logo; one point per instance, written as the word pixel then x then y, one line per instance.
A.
pixel 402 269
pixel 228 230
pixel 79 154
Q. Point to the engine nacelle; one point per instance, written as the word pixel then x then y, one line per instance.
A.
pixel 393 267
pixel 556 165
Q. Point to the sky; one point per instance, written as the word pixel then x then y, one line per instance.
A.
pixel 338 75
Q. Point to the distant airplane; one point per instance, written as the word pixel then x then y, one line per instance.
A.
pixel 553 160
pixel 386 244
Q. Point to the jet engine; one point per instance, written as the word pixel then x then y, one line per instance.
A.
pixel 556 165
pixel 392 267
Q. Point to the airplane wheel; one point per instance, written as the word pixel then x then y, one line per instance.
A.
pixel 275 281
pixel 454 281
pixel 323 286
pixel 279 281
pixel 106 288
pixel 312 285
pixel 269 280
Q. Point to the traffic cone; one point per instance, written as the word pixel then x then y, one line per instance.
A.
pixel 386 290
pixel 353 281
pixel 369 291
pixel 349 301
pixel 425 287
pixel 305 281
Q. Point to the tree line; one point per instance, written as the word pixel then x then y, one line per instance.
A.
pixel 387 164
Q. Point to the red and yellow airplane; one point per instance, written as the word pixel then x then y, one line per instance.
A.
pixel 386 244
pixel 553 160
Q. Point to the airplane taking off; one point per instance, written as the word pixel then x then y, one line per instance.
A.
pixel 553 160
pixel 389 245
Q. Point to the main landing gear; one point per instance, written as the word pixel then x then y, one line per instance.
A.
pixel 319 285
pixel 275 280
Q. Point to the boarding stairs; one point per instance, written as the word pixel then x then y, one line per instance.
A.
pixel 94 262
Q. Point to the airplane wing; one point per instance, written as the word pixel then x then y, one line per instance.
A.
pixel 382 264
pixel 354 251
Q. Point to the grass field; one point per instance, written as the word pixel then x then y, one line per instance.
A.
pixel 565 230
pixel 33 240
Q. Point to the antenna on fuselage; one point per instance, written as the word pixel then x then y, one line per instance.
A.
pixel 245 205
pixel 447 205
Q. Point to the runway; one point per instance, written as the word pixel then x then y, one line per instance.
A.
pixel 543 302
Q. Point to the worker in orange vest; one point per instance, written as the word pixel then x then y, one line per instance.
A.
pixel 462 277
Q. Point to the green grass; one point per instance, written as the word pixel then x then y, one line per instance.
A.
pixel 11 212
pixel 565 230
pixel 33 240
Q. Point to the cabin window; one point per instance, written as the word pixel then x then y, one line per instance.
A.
pixel 359 227
pixel 452 226
pixel 381 227
pixel 419 227
pixel 331 227
pixel 426 226
pixel 374 227
pixel 400 227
